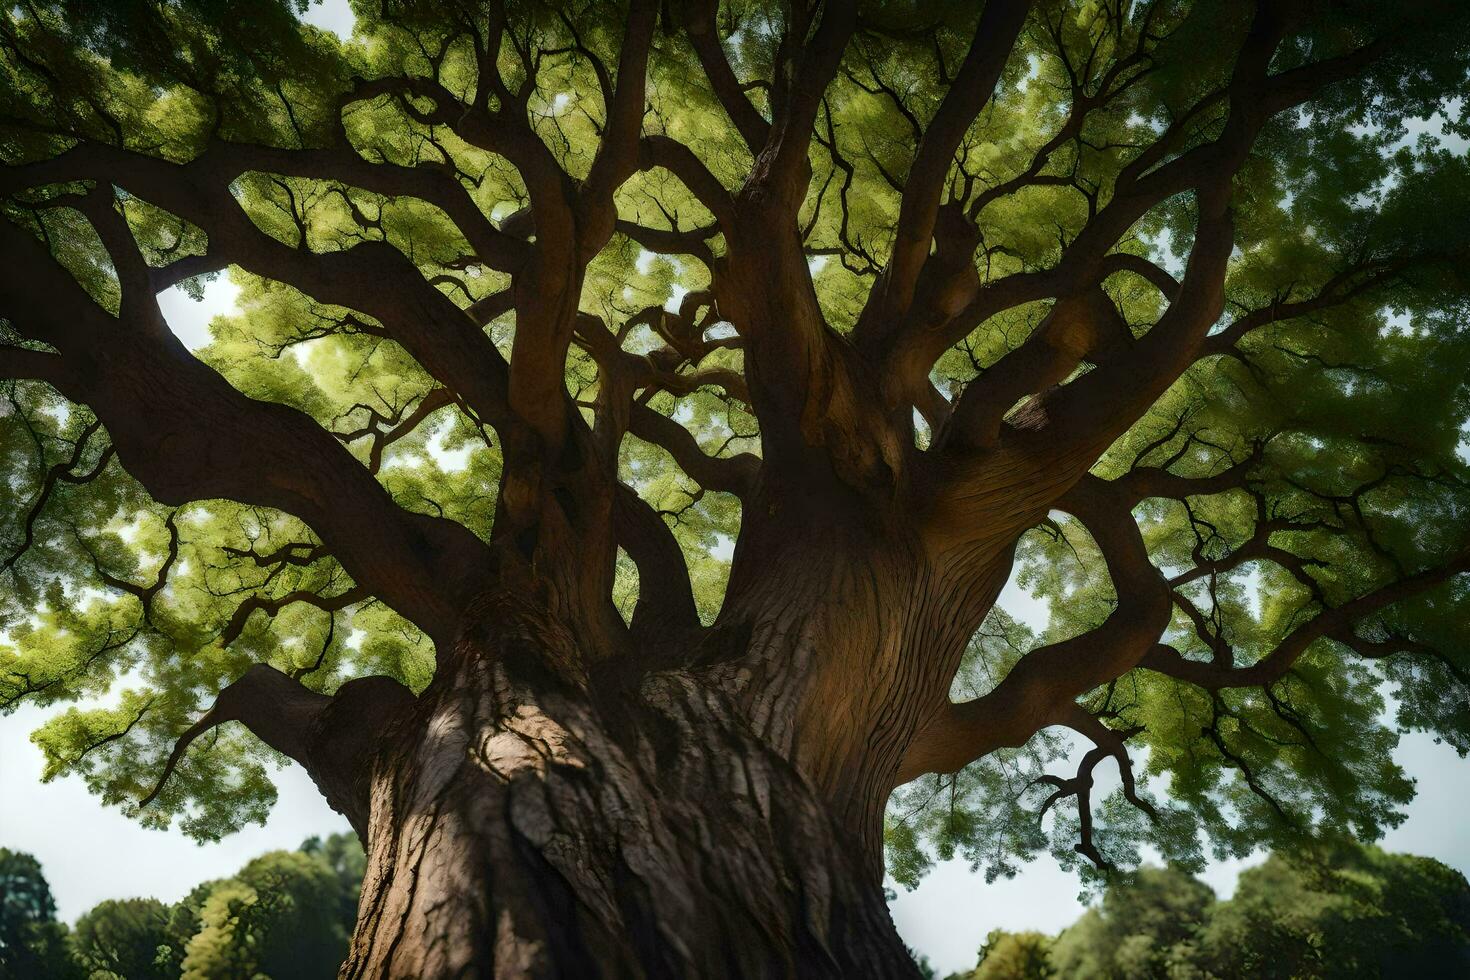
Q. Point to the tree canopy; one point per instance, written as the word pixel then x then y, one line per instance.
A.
pixel 1350 912
pixel 1165 299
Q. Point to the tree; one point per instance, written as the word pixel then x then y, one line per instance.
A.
pixel 221 948
pixel 674 386
pixel 1015 956
pixel 1357 912
pixel 285 915
pixel 126 938
pixel 279 917
pixel 1145 928
pixel 32 942
pixel 1328 913
pixel 343 854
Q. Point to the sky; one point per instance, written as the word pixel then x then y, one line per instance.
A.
pixel 331 15
pixel 91 852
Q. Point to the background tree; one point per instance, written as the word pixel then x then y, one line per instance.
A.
pixel 1147 928
pixel 32 942
pixel 1359 912
pixel 343 854
pixel 635 409
pixel 1326 914
pixel 279 917
pixel 286 914
pixel 126 938
pixel 1015 956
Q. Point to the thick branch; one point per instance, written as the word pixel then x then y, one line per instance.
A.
pixel 671 155
pixel 995 36
pixel 18 362
pixel 276 709
pixel 442 338
pixel 665 596
pixel 1040 689
pixel 186 434
pixel 806 65
pixel 1080 327
pixel 333 738
pixel 699 25
pixel 731 474
pixel 617 154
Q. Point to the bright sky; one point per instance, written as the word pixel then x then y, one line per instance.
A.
pixel 333 15
pixel 91 852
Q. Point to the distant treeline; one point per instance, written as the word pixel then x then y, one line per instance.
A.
pixel 1355 912
pixel 1347 912
pixel 286 915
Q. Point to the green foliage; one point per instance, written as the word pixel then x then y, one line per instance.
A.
pixel 128 938
pixel 285 915
pixel 221 947
pixel 1015 956
pixel 1142 929
pixel 985 813
pixel 1321 914
pixel 344 855
pixel 1359 913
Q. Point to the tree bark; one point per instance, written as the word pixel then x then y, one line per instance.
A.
pixel 525 823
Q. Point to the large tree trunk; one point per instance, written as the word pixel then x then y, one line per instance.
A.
pixel 519 825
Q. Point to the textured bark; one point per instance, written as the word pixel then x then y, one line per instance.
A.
pixel 520 826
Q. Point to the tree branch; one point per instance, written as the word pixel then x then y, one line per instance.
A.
pixel 731 474
pixel 699 25
pixel 664 151
pixel 442 338
pixel 618 152
pixel 665 596
pixel 1042 686
pixel 995 35
pixel 34 365
pixel 186 434
pixel 1332 623
pixel 807 61
pixel 335 739
pixel 277 710
pixel 271 607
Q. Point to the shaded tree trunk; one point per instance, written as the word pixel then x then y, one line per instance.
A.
pixel 519 826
